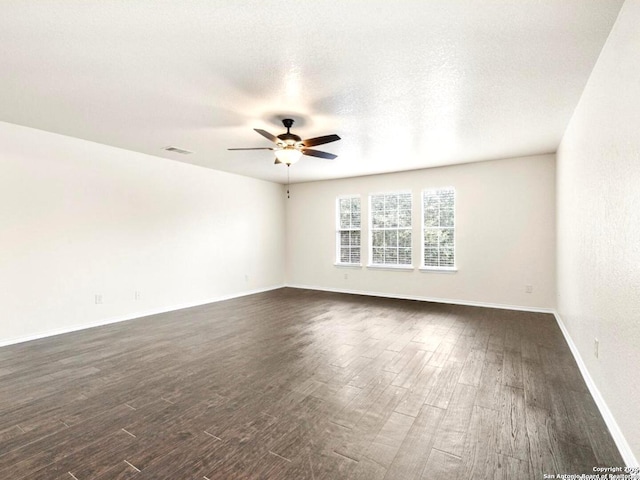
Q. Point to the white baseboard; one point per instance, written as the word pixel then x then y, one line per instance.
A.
pixel 469 303
pixel 621 442
pixel 124 318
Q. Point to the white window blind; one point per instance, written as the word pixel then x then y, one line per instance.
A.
pixel 348 231
pixel 438 213
pixel 390 229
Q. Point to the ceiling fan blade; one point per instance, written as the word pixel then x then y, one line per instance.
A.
pixel 267 135
pixel 318 153
pixel 312 142
pixel 256 148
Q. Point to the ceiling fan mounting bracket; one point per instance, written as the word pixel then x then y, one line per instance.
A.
pixel 288 123
pixel 289 138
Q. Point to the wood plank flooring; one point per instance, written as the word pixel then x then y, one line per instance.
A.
pixel 300 384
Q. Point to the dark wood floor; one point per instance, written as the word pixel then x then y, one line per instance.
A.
pixel 297 384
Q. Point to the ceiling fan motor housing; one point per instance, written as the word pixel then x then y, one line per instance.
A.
pixel 289 138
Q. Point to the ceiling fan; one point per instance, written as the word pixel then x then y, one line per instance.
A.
pixel 290 147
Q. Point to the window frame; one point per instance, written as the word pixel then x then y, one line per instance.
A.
pixel 453 228
pixel 390 266
pixel 339 230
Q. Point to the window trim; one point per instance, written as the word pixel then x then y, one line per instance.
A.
pixel 338 245
pixel 438 269
pixel 389 266
pixel 431 268
pixel 401 267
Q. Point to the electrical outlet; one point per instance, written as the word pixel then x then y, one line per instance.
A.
pixel 138 295
pixel 596 347
pixel 246 278
pixel 528 288
pixel 98 299
pixel 346 276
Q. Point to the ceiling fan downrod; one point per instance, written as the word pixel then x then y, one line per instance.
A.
pixel 288 123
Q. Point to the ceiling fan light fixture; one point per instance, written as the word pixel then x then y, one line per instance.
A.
pixel 290 147
pixel 288 155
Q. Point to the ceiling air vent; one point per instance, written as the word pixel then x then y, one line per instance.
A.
pixel 181 151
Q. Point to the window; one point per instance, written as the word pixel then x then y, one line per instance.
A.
pixel 438 228
pixel 348 230
pixel 390 243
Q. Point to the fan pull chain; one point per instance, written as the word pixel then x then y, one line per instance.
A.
pixel 288 196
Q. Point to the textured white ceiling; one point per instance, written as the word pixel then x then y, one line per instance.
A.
pixel 406 84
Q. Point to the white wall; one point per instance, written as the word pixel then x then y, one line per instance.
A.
pixel 505 238
pixel 79 218
pixel 598 189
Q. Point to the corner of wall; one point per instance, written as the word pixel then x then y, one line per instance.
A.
pixel 618 437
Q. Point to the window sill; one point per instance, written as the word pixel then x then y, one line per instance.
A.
pixel 438 269
pixel 348 265
pixel 402 268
